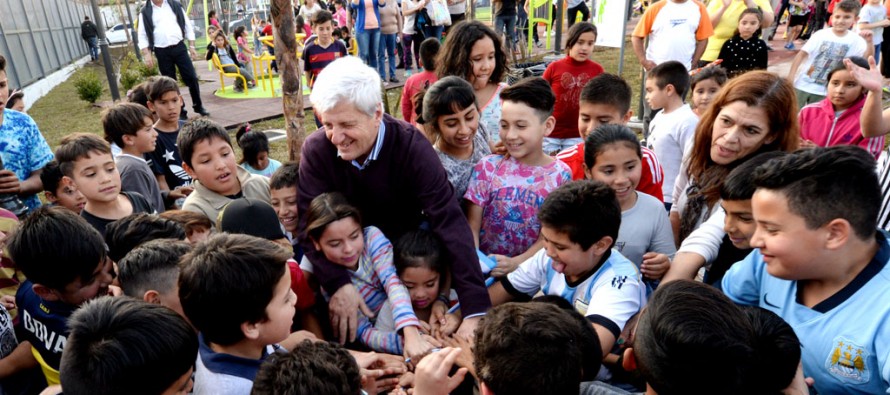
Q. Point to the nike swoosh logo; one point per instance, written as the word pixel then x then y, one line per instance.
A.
pixel 765 301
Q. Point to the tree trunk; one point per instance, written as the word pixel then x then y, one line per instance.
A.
pixel 289 74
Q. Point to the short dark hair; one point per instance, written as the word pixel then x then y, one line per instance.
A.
pixel 419 248
pixel 154 265
pixel 779 350
pixel 672 73
pixel 129 232
pixel 321 17
pixel 529 348
pixel 14 97
pixel 851 6
pixel 196 131
pixel 449 95
pixel 50 176
pixel 691 339
pixel 454 58
pixel 47 252
pixel 738 185
pixel 252 143
pixel 718 74
pixel 228 280
pixel 857 60
pixel 287 176
pixel 585 210
pixel 114 342
pixel 576 31
pixel 534 92
pixel 161 85
pixel 820 184
pixel 2 63
pixel 608 89
pixel 591 350
pixel 79 145
pixel 608 134
pixel 190 220
pixel 123 119
pixel 139 93
pixel 429 49
pixel 319 368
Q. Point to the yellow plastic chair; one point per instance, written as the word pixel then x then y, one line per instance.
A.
pixel 223 74
pixel 262 69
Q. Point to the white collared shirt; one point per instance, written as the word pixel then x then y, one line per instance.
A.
pixel 166 28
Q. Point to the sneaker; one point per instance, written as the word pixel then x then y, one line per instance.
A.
pixel 394 80
pixel 408 73
pixel 202 111
pixel 789 46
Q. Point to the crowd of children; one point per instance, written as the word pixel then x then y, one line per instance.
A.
pixel 737 249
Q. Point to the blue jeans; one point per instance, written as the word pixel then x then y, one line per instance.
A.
pixel 508 22
pixel 93 42
pixel 434 31
pixel 387 49
pixel 368 42
pixel 878 53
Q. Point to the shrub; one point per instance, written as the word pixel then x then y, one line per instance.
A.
pixel 89 87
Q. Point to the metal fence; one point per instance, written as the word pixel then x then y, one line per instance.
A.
pixel 38 37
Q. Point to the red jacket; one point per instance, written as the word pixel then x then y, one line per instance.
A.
pixel 651 179
pixel 819 125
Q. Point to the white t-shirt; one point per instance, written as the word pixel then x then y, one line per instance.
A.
pixel 458 8
pixel 645 227
pixel 871 14
pixel 609 296
pixel 826 50
pixel 670 135
pixel 673 31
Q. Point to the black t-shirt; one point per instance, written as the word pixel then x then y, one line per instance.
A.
pixel 166 160
pixel 505 8
pixel 140 205
pixel 727 256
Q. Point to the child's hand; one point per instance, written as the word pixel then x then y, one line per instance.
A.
pixel 431 376
pixel 804 143
pixel 452 322
pixel 505 266
pixel 8 301
pixel 655 265
pixel 870 79
pixel 416 346
pixel 114 290
pixel 465 358
pixel 868 35
pixel 437 316
pixel 378 371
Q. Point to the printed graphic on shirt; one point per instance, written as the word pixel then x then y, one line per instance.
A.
pixel 827 57
pixel 847 361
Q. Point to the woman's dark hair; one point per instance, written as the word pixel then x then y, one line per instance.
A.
pixel 454 58
pixel 238 31
pixel 252 144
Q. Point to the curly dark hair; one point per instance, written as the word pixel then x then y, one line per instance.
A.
pixel 454 58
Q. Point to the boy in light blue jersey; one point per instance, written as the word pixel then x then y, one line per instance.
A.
pixel 821 266
pixel 579 225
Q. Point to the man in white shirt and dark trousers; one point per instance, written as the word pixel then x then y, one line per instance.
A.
pixel 163 30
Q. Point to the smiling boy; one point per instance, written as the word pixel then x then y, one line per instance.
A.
pixel 821 266
pixel 208 157
pixel 579 226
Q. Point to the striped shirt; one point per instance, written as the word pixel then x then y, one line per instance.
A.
pixel 376 280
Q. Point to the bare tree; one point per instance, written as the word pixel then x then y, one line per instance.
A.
pixel 289 74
